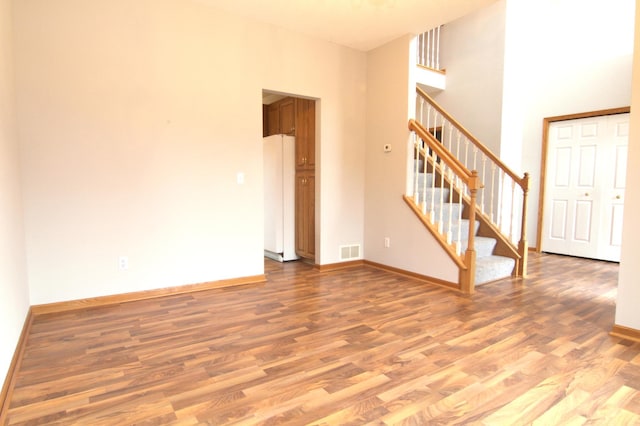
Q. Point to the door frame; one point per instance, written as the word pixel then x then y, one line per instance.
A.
pixel 546 122
pixel 274 96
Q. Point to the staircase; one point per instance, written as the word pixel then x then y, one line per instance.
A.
pixel 469 200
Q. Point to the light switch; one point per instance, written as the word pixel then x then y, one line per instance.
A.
pixel 240 178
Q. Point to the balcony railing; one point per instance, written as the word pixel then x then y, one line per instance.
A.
pixel 429 49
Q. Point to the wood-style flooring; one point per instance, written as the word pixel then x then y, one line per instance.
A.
pixel 348 347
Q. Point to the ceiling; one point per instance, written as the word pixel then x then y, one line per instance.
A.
pixel 359 24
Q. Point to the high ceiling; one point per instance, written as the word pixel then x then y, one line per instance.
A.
pixel 359 24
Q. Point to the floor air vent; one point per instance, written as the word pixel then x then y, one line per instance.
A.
pixel 350 252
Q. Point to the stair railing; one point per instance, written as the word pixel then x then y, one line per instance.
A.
pixel 461 182
pixel 502 195
pixel 428 49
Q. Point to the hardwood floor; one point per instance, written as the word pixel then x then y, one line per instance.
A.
pixel 353 346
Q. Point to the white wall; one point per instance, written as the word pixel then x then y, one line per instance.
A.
pixel 135 118
pixel 627 313
pixel 472 52
pixel 14 293
pixel 562 57
pixel 390 104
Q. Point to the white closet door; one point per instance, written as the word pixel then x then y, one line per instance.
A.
pixel 584 187
pixel 612 187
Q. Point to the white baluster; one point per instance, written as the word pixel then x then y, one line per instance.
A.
pixel 475 158
pixel 435 123
pixel 416 196
pixel 443 168
pixel 433 49
pixel 483 180
pixel 438 50
pixel 466 152
pixel 459 237
pixel 493 178
pixel 513 209
pixel 424 181
pixel 427 48
pixel 500 198
pixel 458 145
pixel 452 178
pixel 432 213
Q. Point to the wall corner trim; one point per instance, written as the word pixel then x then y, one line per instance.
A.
pixel 427 279
pixel 9 382
pixel 625 333
pixel 339 265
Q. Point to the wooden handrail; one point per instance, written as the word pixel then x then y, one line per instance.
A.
pixel 524 184
pixel 456 165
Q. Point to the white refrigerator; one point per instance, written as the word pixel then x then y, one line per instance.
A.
pixel 279 197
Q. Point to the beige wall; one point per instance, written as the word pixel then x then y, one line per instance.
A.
pixel 135 119
pixel 390 104
pixel 14 293
pixel 627 312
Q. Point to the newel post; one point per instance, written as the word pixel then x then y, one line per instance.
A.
pixel 523 245
pixel 468 276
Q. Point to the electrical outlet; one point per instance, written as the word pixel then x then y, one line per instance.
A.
pixel 387 242
pixel 123 263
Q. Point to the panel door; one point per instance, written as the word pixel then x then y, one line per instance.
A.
pixel 287 116
pixel 613 188
pixel 274 119
pixel 305 215
pixel 305 134
pixel 584 187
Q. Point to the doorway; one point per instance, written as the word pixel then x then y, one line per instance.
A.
pixel 295 117
pixel 583 184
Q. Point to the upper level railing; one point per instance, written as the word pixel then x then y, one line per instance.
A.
pixel 428 45
pixel 502 195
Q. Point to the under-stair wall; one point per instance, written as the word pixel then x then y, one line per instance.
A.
pixel 391 101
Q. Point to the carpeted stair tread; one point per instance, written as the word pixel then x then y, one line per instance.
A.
pixel 464 228
pixel 434 195
pixel 492 268
pixel 484 246
pixel 448 210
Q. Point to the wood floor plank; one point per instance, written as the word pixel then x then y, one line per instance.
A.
pixel 353 346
